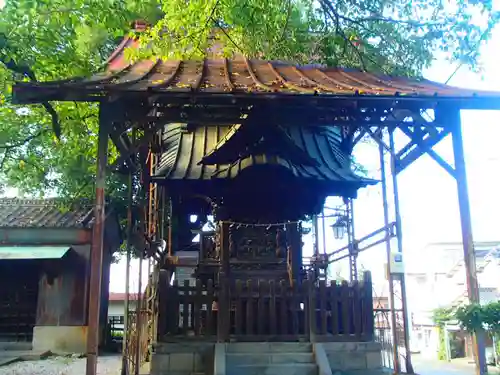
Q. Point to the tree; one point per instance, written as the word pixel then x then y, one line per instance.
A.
pixel 52 147
pixel 442 316
pixel 475 317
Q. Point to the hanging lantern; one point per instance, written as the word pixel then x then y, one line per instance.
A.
pixel 339 228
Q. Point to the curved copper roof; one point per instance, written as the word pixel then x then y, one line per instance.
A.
pixel 184 151
pixel 237 76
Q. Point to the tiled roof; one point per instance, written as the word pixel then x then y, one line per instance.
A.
pixel 48 213
pixel 233 76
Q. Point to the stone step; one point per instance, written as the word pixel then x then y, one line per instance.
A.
pixel 269 347
pixel 237 359
pixel 384 371
pixel 274 369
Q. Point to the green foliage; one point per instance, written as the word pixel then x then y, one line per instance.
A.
pixel 498 343
pixel 442 344
pixel 379 35
pixel 46 40
pixel 441 316
pixel 476 317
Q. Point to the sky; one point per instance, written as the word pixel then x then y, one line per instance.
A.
pixel 428 198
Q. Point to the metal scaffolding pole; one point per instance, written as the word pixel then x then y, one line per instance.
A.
pixel 467 238
pixel 96 253
pixel 323 225
pixel 399 234
pixel 395 346
pixel 138 321
pixel 125 361
pixel 353 246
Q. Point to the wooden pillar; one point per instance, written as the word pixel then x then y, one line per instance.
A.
pixel 294 240
pixel 453 114
pixel 224 247
pixel 368 315
pixel 399 234
pixel 223 283
pixel 96 256
pixel 172 227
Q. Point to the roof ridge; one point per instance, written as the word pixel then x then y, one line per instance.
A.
pixel 43 201
pixel 28 201
pixel 45 213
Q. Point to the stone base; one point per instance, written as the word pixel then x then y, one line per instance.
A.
pixel 60 339
pixel 182 358
pixel 352 357
pixel 258 358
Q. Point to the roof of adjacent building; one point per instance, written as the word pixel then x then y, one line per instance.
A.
pixel 44 213
pixel 449 257
pixel 239 75
pixel 117 297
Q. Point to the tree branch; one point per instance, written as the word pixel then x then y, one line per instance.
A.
pixel 336 18
pixel 288 14
pixel 4 159
pixel 392 20
pixel 28 72
pixel 7 147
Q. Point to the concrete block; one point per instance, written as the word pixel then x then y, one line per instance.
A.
pixel 17 346
pixel 160 363
pixel 285 358
pixel 181 362
pixel 369 346
pixel 182 347
pixel 321 360
pixel 354 361
pixel 339 346
pixel 335 360
pixel 198 362
pixel 219 360
pixel 246 359
pixel 290 347
pixel 60 339
pixel 247 347
pixel 373 360
pixel 292 369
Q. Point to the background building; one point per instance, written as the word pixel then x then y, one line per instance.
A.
pixel 436 278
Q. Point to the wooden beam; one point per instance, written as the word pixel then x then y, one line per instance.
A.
pixel 412 156
pixel 416 136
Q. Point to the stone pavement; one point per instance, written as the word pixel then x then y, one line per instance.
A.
pixel 424 366
pixel 11 356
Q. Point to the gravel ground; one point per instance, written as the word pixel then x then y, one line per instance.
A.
pixel 108 365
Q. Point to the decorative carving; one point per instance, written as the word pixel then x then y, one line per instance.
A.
pixel 232 244
pixel 209 246
pixel 280 243
pixel 218 250
pixel 252 243
pixel 257 266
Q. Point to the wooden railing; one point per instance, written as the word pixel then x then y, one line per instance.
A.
pixel 267 311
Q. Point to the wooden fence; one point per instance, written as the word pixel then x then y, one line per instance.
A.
pixel 267 311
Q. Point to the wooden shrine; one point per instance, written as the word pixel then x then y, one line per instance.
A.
pixel 258 146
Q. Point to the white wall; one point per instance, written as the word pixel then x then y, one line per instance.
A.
pixel 116 308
